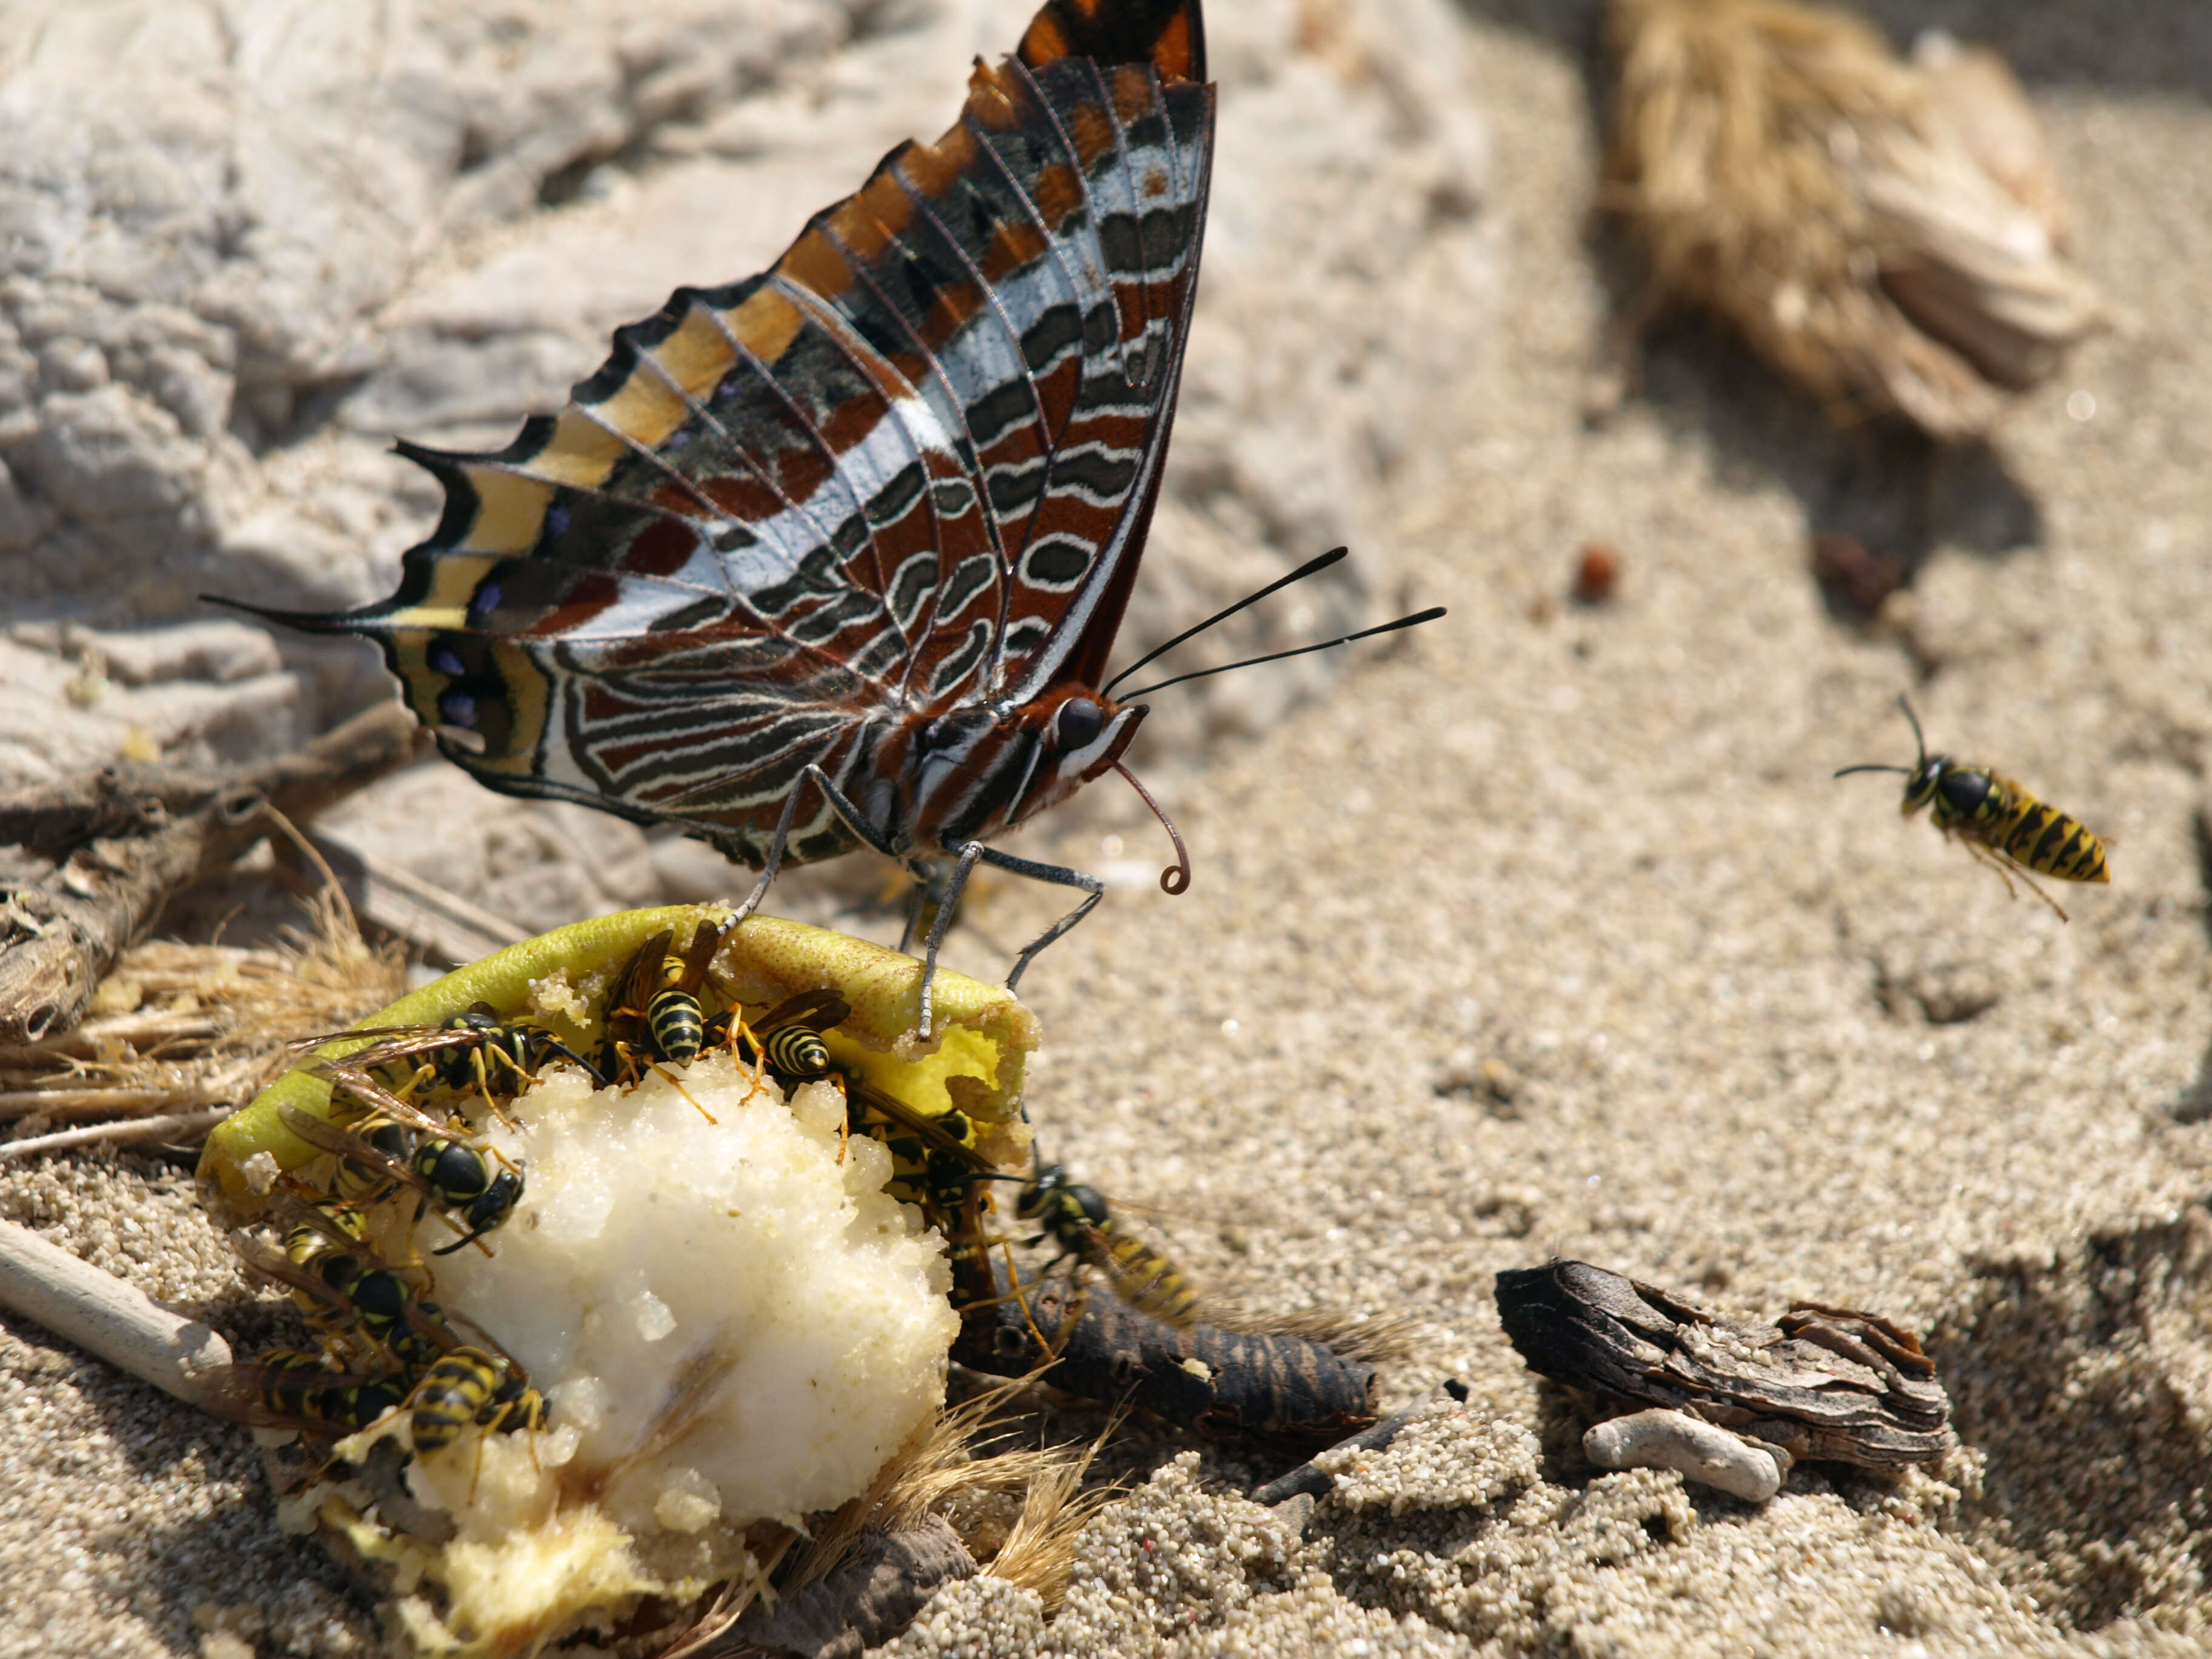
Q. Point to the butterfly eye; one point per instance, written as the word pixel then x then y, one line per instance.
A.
pixel 1077 724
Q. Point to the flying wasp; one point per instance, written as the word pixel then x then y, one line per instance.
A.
pixel 1999 823
pixel 474 1051
pixel 1079 1219
pixel 397 1145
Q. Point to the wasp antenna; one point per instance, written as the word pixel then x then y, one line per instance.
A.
pixel 1919 742
pixel 1176 877
pixel 1848 770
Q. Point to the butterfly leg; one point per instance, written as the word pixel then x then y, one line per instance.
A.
pixel 969 853
pixel 1058 874
pixel 775 847
pixel 876 838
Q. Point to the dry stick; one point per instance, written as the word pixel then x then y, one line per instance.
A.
pixel 128 1129
pixel 107 1317
pixel 64 933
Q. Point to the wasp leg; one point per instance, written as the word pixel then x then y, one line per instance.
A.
pixel 2036 888
pixel 674 1083
pixel 484 1084
pixel 754 1084
pixel 2006 867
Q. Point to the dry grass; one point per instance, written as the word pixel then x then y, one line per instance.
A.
pixel 184 1029
pixel 940 1472
pixel 1887 234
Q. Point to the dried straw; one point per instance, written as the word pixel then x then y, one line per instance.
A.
pixel 1887 234
pixel 182 1032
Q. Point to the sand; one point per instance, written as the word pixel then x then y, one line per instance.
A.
pixel 1753 1037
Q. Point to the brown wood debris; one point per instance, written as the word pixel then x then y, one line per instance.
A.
pixel 1833 1384
pixel 102 853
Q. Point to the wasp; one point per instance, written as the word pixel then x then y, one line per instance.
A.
pixel 654 1014
pixel 787 1040
pixel 472 1385
pixel 935 1159
pixel 1999 823
pixel 397 1145
pixel 1079 1219
pixel 287 1388
pixel 346 1292
pixel 474 1051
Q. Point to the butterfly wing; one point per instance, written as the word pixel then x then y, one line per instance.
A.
pixel 905 470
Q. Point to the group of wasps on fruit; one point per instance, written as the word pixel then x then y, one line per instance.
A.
pixel 398 1147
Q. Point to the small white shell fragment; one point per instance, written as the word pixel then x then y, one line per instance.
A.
pixel 655 1319
pixel 1698 1451
pixel 689 1502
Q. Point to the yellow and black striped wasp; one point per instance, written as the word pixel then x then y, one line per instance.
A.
pixel 474 1051
pixel 653 1015
pixel 286 1388
pixel 396 1144
pixel 348 1296
pixel 1997 820
pixel 786 1042
pixel 472 1385
pixel 1079 1219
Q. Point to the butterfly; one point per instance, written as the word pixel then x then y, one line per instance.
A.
pixel 834 556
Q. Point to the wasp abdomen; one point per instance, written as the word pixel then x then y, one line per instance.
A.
pixel 2051 842
pixel 678 1026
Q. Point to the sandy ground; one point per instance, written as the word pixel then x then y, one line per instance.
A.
pixel 1761 1040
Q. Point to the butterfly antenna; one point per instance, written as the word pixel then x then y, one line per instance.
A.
pixel 1175 879
pixel 1413 621
pixel 1310 568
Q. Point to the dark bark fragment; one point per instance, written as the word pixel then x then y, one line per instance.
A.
pixel 1828 1384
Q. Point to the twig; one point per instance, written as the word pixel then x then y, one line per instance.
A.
pixel 59 936
pixel 105 1316
pixel 128 1128
pixel 444 926
pixel 1308 1481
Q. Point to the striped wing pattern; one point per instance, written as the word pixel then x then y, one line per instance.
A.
pixel 902 478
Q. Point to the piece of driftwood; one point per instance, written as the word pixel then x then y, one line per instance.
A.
pixel 106 1316
pixel 1275 1386
pixel 1694 1449
pixel 1827 1383
pixel 164 829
